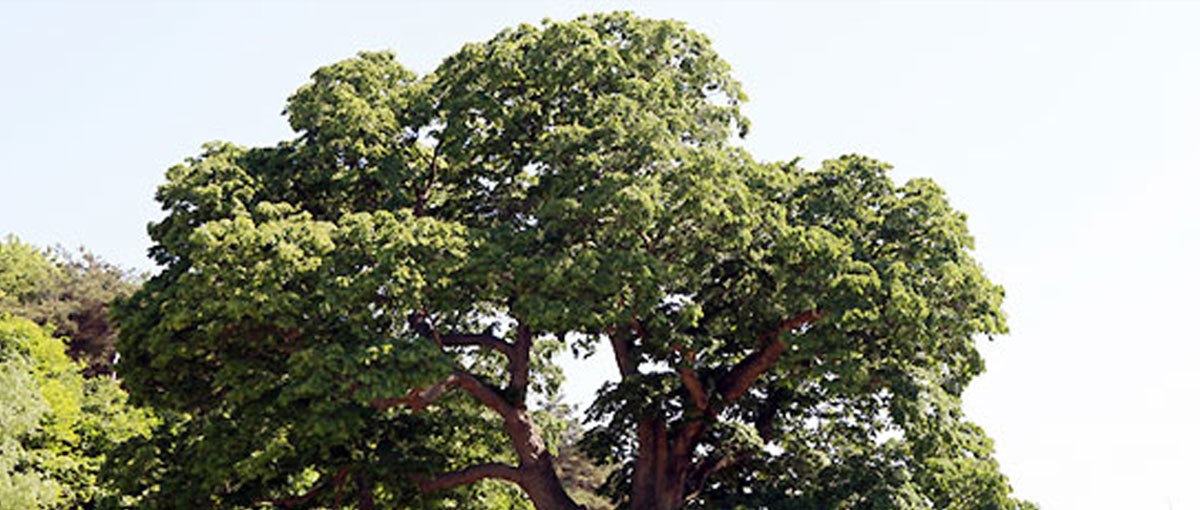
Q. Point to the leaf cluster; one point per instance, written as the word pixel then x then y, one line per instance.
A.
pixel 56 426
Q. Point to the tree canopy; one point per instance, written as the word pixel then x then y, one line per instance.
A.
pixel 366 315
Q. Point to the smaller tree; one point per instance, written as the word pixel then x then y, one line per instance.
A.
pixel 69 292
pixel 55 425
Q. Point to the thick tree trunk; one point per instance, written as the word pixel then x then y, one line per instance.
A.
pixel 661 468
pixel 544 488
pixel 538 478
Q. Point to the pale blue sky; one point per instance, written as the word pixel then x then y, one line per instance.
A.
pixel 1067 131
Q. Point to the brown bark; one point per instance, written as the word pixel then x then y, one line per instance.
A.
pixel 544 488
pixel 663 459
pixel 470 475
pixel 770 347
pixel 698 477
pixel 423 194
pixel 660 469
pixel 536 477
pixel 622 344
pixel 664 474
pixel 535 474
pixel 420 324
pixel 518 364
pixel 478 340
pixel 535 471
pixel 695 389
pixel 539 481
pixel 418 399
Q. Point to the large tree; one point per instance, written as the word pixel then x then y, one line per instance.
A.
pixel 363 315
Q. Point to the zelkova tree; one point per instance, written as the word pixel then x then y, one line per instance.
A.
pixel 364 316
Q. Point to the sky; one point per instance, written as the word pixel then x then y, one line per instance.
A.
pixel 1067 131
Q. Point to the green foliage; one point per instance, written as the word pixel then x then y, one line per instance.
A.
pixel 577 179
pixel 69 293
pixel 23 407
pixel 26 274
pixel 55 425
pixel 581 476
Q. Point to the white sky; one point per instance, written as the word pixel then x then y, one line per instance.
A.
pixel 1067 131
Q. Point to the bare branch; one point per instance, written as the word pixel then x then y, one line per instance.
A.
pixel 470 475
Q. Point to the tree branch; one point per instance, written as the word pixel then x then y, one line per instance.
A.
pixel 419 208
pixel 698 479
pixel 509 403
pixel 764 423
pixel 478 340
pixel 691 381
pixel 418 400
pixel 695 389
pixel 366 497
pixel 484 393
pixel 420 323
pixel 518 363
pixel 622 344
pixel 338 479
pixel 770 348
pixel 470 475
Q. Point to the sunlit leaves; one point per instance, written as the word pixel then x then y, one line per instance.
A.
pixel 55 425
